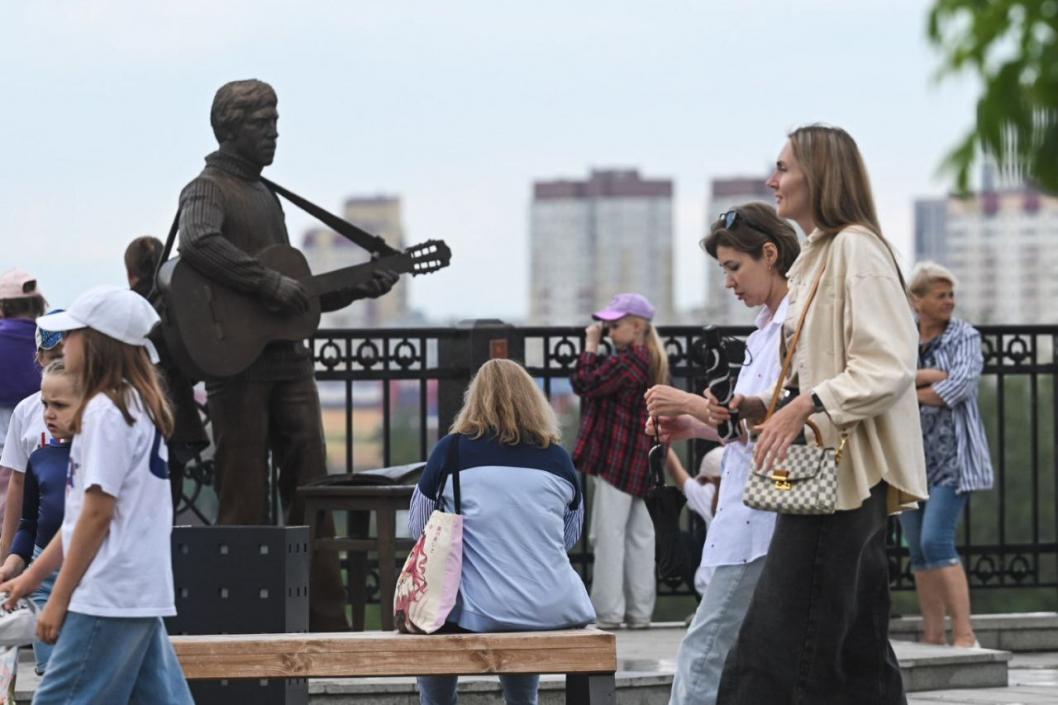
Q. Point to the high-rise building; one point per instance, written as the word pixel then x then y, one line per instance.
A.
pixel 326 251
pixel 592 239
pixel 721 306
pixel 1002 245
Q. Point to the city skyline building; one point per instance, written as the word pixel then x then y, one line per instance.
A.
pixel 1001 244
pixel 590 239
pixel 327 251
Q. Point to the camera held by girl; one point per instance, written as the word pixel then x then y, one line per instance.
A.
pixel 115 583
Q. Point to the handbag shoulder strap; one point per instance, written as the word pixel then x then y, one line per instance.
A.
pixel 793 341
pixel 452 468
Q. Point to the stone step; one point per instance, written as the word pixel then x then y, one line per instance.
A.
pixel 1018 632
pixel 930 667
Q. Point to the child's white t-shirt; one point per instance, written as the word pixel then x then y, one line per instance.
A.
pixel 132 574
pixel 24 434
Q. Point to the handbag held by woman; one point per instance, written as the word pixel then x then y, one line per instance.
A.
pixel 806 480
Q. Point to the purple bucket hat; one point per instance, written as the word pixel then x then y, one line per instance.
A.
pixel 626 305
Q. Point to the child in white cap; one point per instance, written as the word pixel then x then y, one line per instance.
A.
pixel 115 585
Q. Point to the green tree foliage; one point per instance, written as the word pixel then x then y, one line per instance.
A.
pixel 1012 45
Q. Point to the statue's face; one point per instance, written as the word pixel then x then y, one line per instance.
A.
pixel 255 138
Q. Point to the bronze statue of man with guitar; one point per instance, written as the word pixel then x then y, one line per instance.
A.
pixel 239 304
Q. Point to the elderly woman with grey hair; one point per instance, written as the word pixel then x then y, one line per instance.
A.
pixel 957 456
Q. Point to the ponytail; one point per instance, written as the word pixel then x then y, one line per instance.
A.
pixel 659 359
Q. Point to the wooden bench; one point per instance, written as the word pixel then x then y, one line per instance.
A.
pixel 588 657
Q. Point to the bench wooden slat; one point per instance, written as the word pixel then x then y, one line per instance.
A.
pixel 389 654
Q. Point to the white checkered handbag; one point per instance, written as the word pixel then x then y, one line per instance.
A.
pixel 805 482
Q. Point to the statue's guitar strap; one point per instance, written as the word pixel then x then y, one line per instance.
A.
pixel 374 244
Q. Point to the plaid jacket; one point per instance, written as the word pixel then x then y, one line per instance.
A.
pixel 611 442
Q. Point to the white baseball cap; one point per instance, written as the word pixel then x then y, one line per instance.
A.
pixel 119 313
pixel 712 463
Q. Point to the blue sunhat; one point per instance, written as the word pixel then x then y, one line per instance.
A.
pixel 48 339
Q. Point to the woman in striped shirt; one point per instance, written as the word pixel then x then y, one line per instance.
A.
pixel 957 457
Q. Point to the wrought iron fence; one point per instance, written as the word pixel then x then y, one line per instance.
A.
pixel 409 380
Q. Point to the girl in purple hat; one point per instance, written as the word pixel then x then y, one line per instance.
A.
pixel 612 448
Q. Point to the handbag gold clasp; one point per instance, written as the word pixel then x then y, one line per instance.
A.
pixel 781 480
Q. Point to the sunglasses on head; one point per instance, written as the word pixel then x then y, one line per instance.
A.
pixel 732 217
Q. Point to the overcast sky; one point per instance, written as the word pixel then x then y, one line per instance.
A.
pixel 456 107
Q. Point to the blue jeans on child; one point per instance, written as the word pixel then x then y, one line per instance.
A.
pixel 113 660
pixel 42 651
pixel 930 529
pixel 441 690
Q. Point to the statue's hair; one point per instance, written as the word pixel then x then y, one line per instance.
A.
pixel 236 98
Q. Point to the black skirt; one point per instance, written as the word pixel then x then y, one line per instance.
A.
pixel 817 629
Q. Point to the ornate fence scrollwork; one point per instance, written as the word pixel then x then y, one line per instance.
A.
pixel 1009 537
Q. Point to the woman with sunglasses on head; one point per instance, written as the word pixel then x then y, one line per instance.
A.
pixel 612 448
pixel 755 248
pixel 817 628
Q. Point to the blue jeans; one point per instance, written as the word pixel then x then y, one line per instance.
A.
pixel 930 529
pixel 113 660
pixel 712 632
pixel 441 690
pixel 42 651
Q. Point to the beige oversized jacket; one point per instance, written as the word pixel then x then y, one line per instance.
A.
pixel 859 352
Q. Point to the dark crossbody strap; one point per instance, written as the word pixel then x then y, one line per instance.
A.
pixel 452 468
pixel 372 243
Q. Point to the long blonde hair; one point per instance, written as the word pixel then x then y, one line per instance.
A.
pixel 117 370
pixel 503 399
pixel 839 188
pixel 659 359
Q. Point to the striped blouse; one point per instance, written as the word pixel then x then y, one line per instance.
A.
pixel 958 352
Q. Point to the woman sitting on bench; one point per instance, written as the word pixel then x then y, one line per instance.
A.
pixel 522 510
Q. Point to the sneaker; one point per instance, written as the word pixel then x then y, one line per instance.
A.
pixel 608 626
pixel 639 625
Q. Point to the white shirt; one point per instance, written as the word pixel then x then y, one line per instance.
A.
pixel 739 534
pixel 25 433
pixel 131 575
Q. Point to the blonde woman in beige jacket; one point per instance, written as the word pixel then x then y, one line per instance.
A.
pixel 817 627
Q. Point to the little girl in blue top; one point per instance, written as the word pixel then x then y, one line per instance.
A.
pixel 45 487
pixel 115 585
